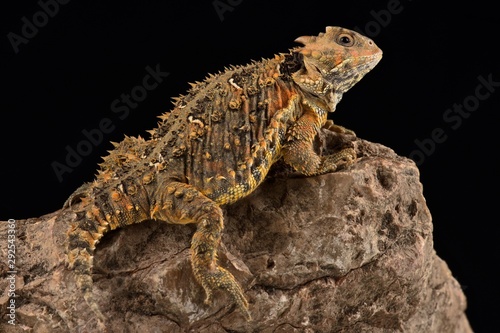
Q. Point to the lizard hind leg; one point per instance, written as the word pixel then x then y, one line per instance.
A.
pixel 181 203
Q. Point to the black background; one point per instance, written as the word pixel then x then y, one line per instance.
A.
pixel 65 78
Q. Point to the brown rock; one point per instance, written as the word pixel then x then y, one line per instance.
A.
pixel 350 251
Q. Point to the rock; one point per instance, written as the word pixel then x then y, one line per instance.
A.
pixel 349 251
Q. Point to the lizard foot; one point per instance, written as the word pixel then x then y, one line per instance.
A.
pixel 329 125
pixel 331 163
pixel 219 278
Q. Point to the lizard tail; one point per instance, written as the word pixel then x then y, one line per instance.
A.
pixel 99 212
pixel 82 239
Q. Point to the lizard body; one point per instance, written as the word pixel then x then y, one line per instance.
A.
pixel 215 147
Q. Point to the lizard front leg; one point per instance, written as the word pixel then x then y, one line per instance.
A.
pixel 182 203
pixel 298 150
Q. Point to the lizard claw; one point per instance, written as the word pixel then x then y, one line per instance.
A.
pixel 219 278
pixel 329 125
pixel 343 158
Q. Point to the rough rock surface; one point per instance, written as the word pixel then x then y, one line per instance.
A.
pixel 350 251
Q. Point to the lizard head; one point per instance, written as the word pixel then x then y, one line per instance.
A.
pixel 334 60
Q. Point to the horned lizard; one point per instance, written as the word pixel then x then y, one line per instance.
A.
pixel 215 147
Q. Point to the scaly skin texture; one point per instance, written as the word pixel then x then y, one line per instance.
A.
pixel 216 146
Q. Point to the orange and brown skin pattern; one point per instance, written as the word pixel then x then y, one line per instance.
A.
pixel 215 147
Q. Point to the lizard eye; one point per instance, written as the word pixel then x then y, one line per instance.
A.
pixel 345 40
